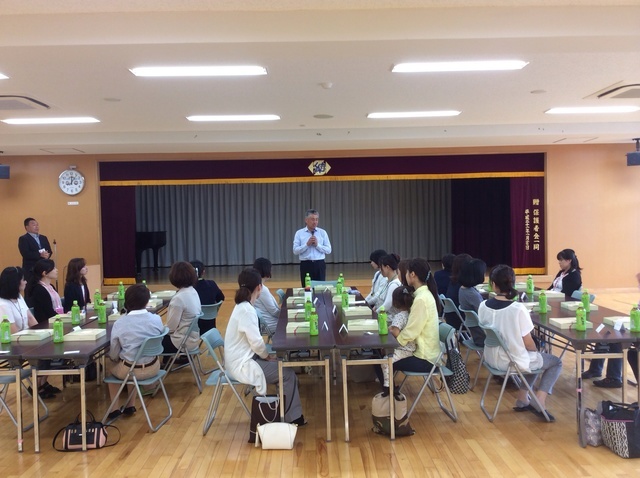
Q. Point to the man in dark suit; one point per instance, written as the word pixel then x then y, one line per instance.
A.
pixel 33 246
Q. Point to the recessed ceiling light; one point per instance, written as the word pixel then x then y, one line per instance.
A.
pixel 69 120
pixel 238 70
pixel 592 110
pixel 234 118
pixel 435 66
pixel 322 116
pixel 3 77
pixel 413 114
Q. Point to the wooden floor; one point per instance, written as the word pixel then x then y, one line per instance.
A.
pixel 517 444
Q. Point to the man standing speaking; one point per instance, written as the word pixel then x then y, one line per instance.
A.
pixel 312 245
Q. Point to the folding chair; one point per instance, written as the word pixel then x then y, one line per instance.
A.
pixel 471 320
pixel 577 294
pixel 494 339
pixel 448 306
pixel 219 378
pixel 151 347
pixel 209 312
pixel 7 377
pixel 447 334
pixel 264 328
pixel 192 355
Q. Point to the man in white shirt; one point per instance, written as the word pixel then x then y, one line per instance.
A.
pixel 312 245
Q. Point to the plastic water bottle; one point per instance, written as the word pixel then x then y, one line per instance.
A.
pixel 144 283
pixel 5 330
pixel 635 320
pixel 345 301
pixel 382 321
pixel 313 323
pixel 308 306
pixel 307 280
pixel 530 286
pixel 542 302
pixel 581 319
pixel 97 297
pixel 75 313
pixel 120 296
pixel 101 310
pixel 489 288
pixel 585 300
pixel 339 286
pixel 58 330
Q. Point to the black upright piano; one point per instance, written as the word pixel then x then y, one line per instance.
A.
pixel 149 240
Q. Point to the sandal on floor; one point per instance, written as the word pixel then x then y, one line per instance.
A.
pixel 540 415
pixel 526 408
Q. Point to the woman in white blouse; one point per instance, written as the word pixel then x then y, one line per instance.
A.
pixel 378 279
pixel 389 270
pixel 14 308
pixel 265 302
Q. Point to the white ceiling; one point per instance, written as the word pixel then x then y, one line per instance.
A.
pixel 75 56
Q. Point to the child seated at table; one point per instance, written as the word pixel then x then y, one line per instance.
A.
pixel 402 300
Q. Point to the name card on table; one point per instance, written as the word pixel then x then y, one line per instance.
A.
pixel 613 321
pixel 31 335
pixel 298 327
pixel 163 294
pixel 114 316
pixel 551 294
pixel 568 323
pixel 85 334
pixel 355 325
pixel 573 305
pixel 520 286
pixel 358 313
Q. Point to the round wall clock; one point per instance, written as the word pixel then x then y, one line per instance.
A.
pixel 71 182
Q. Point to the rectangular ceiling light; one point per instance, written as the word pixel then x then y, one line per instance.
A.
pixel 592 110
pixel 437 66
pixel 171 71
pixel 234 118
pixel 69 120
pixel 3 77
pixel 413 114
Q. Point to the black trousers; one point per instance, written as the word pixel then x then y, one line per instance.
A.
pixel 317 270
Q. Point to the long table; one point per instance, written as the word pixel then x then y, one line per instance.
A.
pixel 82 353
pixel 332 337
pixel 580 342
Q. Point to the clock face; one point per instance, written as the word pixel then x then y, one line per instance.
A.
pixel 71 182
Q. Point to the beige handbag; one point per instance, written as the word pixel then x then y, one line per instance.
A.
pixel 276 436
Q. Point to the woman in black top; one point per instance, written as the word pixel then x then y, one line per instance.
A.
pixel 568 279
pixel 43 296
pixel 76 285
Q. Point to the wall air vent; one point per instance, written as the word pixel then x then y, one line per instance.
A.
pixel 21 103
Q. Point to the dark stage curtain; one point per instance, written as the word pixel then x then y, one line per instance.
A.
pixel 481 219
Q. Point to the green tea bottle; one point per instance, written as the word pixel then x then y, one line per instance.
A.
pixel 5 330
pixel 585 300
pixel 542 302
pixel 313 323
pixel 635 320
pixel 581 319
pixel 345 301
pixel 101 310
pixel 382 321
pixel 530 286
pixel 75 313
pixel 58 330
pixel 120 296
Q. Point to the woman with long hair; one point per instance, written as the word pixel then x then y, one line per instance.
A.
pixel 422 324
pixel 265 302
pixel 14 308
pixel 43 296
pixel 568 279
pixel 245 353
pixel 75 287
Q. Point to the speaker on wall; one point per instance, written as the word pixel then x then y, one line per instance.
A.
pixel 633 159
pixel 4 171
